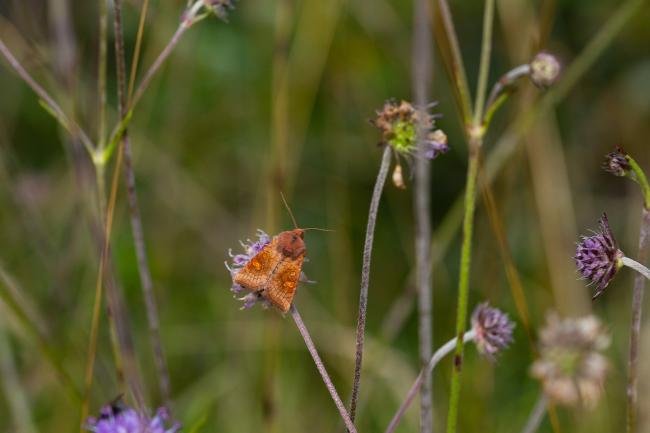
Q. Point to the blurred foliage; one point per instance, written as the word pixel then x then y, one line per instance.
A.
pixel 278 99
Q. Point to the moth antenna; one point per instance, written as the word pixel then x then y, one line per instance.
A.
pixel 295 225
pixel 317 229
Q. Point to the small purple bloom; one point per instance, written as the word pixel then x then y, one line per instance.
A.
pixel 116 418
pixel 251 248
pixel 436 144
pixel 493 329
pixel 616 163
pixel 598 257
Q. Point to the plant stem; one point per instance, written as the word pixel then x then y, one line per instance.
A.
pixel 136 221
pixel 421 65
pixel 365 276
pixel 49 103
pixel 484 65
pixel 536 415
pixel 506 80
pixel 475 134
pixel 321 368
pixel 463 284
pixel 138 47
pixel 442 351
pixel 636 266
pixel 641 179
pixel 457 65
pixel 635 325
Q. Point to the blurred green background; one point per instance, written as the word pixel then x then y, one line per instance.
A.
pixel 278 99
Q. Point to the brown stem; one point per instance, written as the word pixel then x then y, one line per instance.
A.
pixel 136 221
pixel 321 368
pixel 635 325
pixel 421 63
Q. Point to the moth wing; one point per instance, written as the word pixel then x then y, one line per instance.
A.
pixel 255 275
pixel 282 286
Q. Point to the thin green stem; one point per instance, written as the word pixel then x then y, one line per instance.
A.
pixel 138 47
pixel 641 179
pixel 101 73
pixel 484 65
pixel 463 281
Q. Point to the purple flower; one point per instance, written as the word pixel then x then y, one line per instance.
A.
pixel 616 163
pixel 436 144
pixel 598 257
pixel 117 418
pixel 251 248
pixel 493 330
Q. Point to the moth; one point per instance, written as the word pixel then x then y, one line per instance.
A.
pixel 275 271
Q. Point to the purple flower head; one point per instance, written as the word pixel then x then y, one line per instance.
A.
pixel 118 418
pixel 493 330
pixel 544 70
pixel 598 257
pixel 616 163
pixel 251 248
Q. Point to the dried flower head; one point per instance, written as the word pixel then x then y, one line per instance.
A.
pixel 251 248
pixel 616 163
pixel 544 70
pixel 118 418
pixel 399 123
pixel 598 257
pixel 493 329
pixel 571 366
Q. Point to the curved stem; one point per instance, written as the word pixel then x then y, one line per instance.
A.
pixel 321 368
pixel 365 276
pixel 498 89
pixel 636 266
pixel 537 415
pixel 443 351
pixel 641 179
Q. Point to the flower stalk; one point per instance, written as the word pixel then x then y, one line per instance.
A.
pixel 321 369
pixel 365 276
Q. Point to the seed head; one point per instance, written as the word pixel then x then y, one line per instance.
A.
pixel 616 163
pixel 598 257
pixel 493 330
pixel 399 123
pixel 544 70
pixel 571 366
pixel 118 418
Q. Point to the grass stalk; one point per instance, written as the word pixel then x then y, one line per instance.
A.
pixel 365 276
